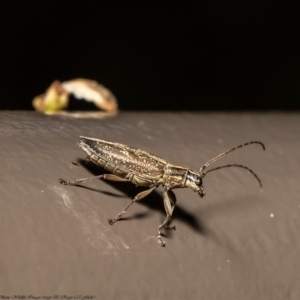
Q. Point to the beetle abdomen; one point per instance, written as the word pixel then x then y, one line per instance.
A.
pixel 121 159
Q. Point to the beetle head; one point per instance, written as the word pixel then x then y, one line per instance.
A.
pixel 195 182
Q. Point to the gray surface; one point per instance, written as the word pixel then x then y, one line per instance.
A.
pixel 236 243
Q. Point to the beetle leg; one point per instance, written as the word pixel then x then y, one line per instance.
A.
pixel 78 181
pixel 169 203
pixel 173 200
pixel 111 177
pixel 138 197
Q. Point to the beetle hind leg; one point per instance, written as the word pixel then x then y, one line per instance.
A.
pixel 79 181
pixel 110 177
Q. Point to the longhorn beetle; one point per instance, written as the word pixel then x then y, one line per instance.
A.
pixel 145 169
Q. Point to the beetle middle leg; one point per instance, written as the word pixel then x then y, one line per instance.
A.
pixel 169 203
pixel 138 197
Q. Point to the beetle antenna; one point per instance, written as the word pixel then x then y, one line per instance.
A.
pixel 202 169
pixel 235 165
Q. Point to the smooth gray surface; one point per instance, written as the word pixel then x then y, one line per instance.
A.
pixel 236 243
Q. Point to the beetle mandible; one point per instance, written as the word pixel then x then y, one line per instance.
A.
pixel 148 170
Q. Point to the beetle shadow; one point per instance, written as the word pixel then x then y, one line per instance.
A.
pixel 154 201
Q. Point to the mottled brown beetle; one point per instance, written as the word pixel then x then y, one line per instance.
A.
pixel 145 169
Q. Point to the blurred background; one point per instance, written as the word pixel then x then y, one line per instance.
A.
pixel 195 55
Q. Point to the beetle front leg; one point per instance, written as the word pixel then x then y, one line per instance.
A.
pixel 169 203
pixel 173 201
pixel 138 197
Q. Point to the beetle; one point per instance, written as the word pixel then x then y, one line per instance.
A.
pixel 144 169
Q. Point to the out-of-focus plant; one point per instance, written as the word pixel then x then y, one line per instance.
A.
pixel 56 98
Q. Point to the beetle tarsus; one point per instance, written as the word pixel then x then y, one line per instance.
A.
pixel 160 240
pixel 65 182
pixel 114 220
pixel 111 221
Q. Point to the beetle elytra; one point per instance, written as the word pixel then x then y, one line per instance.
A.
pixel 144 169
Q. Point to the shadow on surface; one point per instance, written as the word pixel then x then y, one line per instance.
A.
pixel 154 201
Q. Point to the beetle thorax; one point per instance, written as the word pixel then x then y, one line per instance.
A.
pixel 174 176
